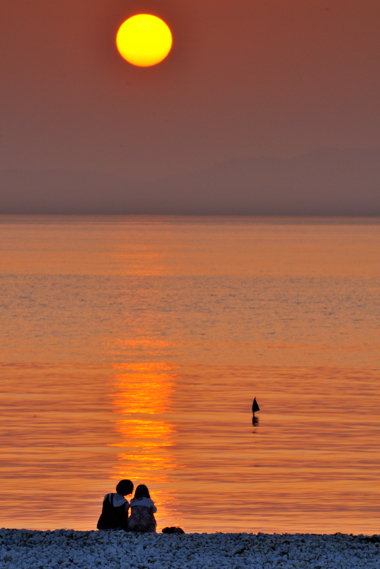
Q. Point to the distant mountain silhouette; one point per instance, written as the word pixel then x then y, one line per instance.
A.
pixel 323 182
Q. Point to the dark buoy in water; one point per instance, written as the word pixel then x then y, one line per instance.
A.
pixel 255 408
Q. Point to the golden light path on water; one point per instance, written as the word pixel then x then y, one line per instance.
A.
pixel 141 396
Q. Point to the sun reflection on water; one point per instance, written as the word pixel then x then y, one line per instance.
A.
pixel 141 395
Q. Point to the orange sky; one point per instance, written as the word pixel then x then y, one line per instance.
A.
pixel 244 79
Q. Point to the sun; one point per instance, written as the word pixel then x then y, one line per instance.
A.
pixel 144 40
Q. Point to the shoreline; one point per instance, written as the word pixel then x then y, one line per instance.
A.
pixel 61 548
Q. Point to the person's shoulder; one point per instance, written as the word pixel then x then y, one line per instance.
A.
pixel 119 500
pixel 142 502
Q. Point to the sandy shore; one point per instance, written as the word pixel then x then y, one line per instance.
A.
pixel 24 549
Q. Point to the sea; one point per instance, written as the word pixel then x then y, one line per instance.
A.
pixel 133 347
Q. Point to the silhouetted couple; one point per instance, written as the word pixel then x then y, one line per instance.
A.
pixel 116 508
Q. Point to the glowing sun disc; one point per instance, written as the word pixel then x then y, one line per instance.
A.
pixel 144 40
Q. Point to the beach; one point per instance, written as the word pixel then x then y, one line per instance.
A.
pixel 28 549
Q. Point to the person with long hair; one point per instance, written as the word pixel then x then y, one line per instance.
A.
pixel 143 510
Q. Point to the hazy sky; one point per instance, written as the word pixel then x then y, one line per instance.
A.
pixel 245 78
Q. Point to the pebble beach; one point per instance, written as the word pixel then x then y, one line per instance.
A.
pixel 27 549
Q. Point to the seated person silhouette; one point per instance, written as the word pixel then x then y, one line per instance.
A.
pixel 115 508
pixel 143 510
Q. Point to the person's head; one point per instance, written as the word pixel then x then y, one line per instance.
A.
pixel 124 487
pixel 142 491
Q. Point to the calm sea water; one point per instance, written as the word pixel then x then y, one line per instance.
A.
pixel 133 347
